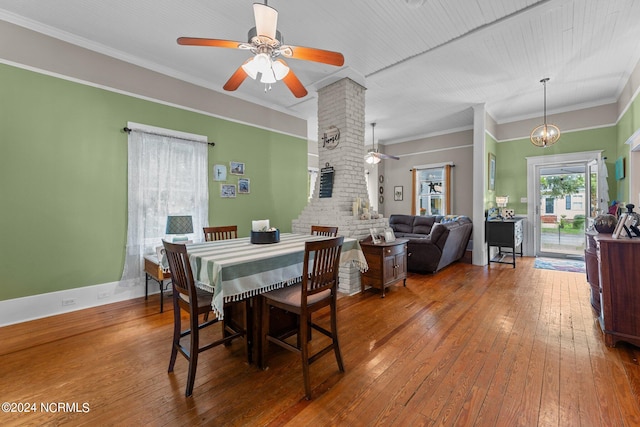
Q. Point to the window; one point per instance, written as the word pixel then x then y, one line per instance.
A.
pixel 567 202
pixel 549 205
pixel 167 175
pixel 577 201
pixel 432 190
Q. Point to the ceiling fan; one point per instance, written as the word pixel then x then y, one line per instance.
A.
pixel 266 44
pixel 373 156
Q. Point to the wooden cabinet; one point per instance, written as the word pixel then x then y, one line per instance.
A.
pixel 619 273
pixel 387 264
pixel 505 234
pixel 592 270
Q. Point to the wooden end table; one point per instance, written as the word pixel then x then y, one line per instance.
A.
pixel 153 270
pixel 387 264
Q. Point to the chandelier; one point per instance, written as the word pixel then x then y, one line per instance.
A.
pixel 545 134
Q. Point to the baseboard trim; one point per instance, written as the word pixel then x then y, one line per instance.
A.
pixel 33 307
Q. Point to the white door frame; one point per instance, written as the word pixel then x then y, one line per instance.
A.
pixel 533 190
pixel 634 168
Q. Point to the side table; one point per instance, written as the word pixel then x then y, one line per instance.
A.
pixel 387 264
pixel 153 270
pixel 504 234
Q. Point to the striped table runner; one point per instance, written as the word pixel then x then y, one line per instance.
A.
pixel 235 269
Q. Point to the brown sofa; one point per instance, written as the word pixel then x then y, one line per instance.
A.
pixel 435 241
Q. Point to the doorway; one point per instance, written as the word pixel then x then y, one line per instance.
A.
pixel 563 194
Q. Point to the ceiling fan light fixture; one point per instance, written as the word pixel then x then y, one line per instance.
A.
pixel 546 134
pixel 280 70
pixel 266 20
pixel 251 68
pixel 263 62
pixel 371 158
pixel 268 77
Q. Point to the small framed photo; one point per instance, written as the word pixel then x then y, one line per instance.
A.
pixel 377 234
pixel 491 179
pixel 219 173
pixel 619 226
pixel 398 193
pixel 236 168
pixel 243 186
pixel 389 235
pixel 227 190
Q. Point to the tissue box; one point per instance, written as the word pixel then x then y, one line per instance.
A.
pixel 262 237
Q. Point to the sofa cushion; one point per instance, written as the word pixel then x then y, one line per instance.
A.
pixel 439 234
pixel 423 224
pixel 401 223
pixel 411 235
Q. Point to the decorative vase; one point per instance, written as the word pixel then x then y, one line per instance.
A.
pixel 632 214
pixel 605 223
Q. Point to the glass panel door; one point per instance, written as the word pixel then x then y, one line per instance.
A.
pixel 565 201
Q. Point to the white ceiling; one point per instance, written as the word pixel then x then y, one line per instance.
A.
pixel 424 66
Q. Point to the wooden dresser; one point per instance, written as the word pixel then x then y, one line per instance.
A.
pixel 619 273
pixel 387 264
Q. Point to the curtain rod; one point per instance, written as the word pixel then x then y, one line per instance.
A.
pixel 211 143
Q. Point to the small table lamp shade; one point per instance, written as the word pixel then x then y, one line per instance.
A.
pixel 179 225
pixel 502 201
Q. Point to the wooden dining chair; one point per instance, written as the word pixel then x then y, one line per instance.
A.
pixel 318 289
pixel 323 230
pixel 224 232
pixel 195 302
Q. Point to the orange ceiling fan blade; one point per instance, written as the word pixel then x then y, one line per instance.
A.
pixel 313 54
pixel 294 84
pixel 195 41
pixel 235 80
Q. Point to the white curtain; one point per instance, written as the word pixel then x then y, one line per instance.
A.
pixel 166 176
pixel 603 187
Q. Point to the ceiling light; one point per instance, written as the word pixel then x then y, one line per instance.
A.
pixel 251 68
pixel 268 77
pixel 372 156
pixel 545 134
pixel 280 69
pixel 263 62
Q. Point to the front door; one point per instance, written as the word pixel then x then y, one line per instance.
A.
pixel 564 201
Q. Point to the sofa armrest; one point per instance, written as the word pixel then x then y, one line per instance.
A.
pixel 423 255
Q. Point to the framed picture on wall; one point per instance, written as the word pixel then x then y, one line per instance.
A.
pixel 243 186
pixel 398 193
pixel 236 168
pixel 227 190
pixel 492 172
pixel 219 173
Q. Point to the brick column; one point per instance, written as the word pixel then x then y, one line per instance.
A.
pixel 341 105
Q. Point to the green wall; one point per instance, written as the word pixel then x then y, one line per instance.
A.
pixel 63 178
pixel 628 124
pixel 511 158
pixel 490 195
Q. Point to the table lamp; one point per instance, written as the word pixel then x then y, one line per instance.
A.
pixel 179 225
pixel 502 201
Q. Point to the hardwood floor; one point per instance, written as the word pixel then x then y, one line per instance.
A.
pixel 467 346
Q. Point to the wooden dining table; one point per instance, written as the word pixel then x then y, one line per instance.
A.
pixel 236 269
